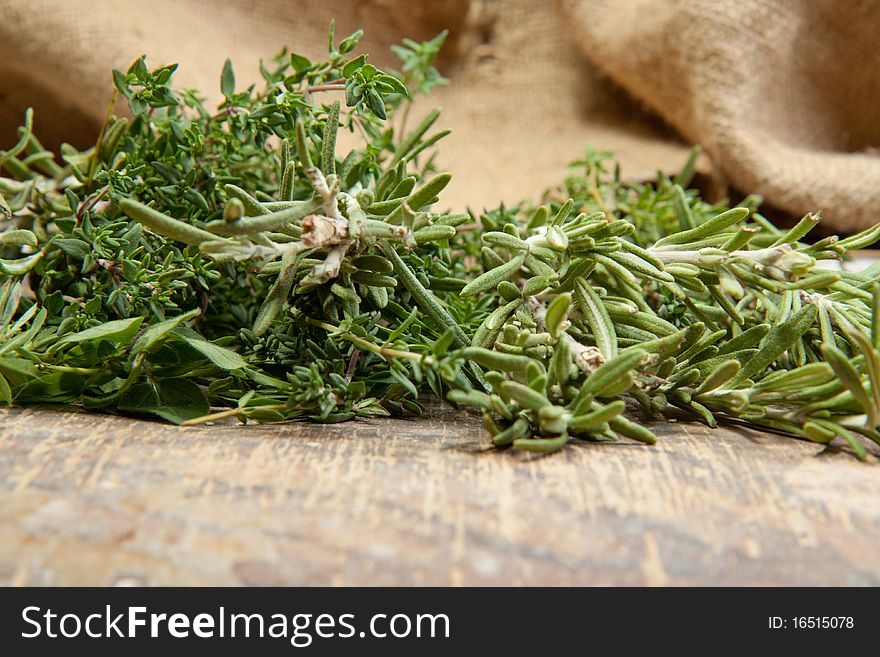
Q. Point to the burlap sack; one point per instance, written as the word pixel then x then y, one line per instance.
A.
pixel 783 96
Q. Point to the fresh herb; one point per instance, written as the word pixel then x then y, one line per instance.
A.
pixel 197 264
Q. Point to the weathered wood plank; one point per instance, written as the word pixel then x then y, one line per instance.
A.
pixel 96 499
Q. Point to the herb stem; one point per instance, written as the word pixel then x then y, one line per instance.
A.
pixel 387 352
pixel 230 412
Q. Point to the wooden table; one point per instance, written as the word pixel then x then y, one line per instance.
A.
pixel 97 499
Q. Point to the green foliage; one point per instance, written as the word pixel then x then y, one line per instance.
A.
pixel 417 61
pixel 145 89
pixel 233 261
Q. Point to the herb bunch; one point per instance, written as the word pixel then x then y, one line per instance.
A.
pixel 197 264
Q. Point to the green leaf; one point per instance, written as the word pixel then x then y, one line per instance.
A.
pixel 847 435
pixel 523 395
pixel 174 400
pixel 163 75
pixel 599 415
pixel 23 339
pixel 541 445
pixel 352 66
pixel 73 247
pixel 848 375
pixel 396 84
pixel 227 79
pixel 10 297
pixel 163 224
pixel 350 42
pixel 5 391
pixel 375 102
pixel 120 83
pixel 493 277
pixel 223 358
pixel 17 237
pixel 560 364
pixel 861 240
pixel 155 334
pixel 746 339
pixel 299 63
pixel 872 366
pixel 22 265
pixel 632 430
pixel 607 376
pixel 719 376
pixel 5 210
pixel 709 228
pixel 496 360
pixel 137 104
pixel 120 331
pixel 328 142
pixel 686 175
pixel 597 317
pixel 139 69
pixel 412 139
pixel 17 369
pixel 818 434
pixel 443 343
pixel 557 312
pixel 780 339
pixel 426 193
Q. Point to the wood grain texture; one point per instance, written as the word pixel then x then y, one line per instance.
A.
pixel 96 499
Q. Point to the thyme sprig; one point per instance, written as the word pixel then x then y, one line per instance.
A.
pixel 198 264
